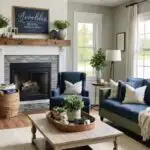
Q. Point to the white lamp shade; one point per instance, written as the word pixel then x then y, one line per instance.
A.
pixel 113 55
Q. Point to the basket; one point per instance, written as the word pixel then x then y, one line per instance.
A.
pixel 72 128
pixel 9 105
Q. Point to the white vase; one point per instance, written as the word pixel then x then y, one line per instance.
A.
pixel 72 115
pixel 98 75
pixel 62 34
pixel 2 30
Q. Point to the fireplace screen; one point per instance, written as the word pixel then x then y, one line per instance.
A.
pixel 32 79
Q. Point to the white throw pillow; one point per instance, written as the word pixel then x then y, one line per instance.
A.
pixel 134 96
pixel 73 89
pixel 114 89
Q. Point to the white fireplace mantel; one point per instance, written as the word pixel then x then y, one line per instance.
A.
pixel 32 50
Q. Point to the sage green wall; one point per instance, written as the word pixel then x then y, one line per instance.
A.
pixel 120 24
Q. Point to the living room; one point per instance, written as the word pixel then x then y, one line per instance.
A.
pixel 74 74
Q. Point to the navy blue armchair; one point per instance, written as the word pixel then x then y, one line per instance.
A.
pixel 57 97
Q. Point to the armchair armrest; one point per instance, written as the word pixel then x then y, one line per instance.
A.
pixel 55 92
pixel 104 93
pixel 85 93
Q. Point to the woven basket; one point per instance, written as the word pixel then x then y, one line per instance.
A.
pixel 9 105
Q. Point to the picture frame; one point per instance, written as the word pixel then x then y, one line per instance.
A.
pixel 121 41
pixel 26 25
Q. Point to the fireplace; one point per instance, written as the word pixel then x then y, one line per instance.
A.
pixel 32 79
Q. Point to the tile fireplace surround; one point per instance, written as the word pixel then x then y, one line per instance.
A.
pixel 16 54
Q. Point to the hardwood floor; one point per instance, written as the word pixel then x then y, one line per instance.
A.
pixel 16 122
pixel 22 120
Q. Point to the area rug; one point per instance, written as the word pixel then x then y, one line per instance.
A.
pixel 20 139
pixel 125 131
pixel 130 134
pixel 16 122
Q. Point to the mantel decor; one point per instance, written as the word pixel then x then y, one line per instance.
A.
pixel 61 25
pixel 31 20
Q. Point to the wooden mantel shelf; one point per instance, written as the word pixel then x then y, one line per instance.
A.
pixel 35 42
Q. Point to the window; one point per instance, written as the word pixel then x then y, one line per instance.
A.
pixel 85 47
pixel 143 57
pixel 87 38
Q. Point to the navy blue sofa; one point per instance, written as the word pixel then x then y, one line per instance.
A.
pixel 57 98
pixel 124 115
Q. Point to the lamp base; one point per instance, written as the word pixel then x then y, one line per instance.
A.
pixel 112 73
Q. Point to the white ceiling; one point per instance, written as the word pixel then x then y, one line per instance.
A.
pixel 101 2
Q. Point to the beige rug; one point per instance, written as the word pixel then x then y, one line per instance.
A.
pixel 20 139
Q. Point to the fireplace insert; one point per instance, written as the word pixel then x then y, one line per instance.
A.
pixel 32 79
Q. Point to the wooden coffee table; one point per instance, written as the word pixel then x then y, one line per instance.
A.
pixel 54 139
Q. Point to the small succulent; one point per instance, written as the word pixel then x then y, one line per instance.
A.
pixel 59 109
pixel 73 103
pixel 61 24
pixel 3 21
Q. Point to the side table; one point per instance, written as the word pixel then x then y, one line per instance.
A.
pixel 98 86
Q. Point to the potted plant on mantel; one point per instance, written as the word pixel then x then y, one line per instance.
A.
pixel 61 25
pixel 74 104
pixel 3 23
pixel 98 62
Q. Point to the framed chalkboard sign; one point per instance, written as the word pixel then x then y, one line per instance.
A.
pixel 31 20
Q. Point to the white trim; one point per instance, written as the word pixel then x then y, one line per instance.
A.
pixel 31 50
pixel 144 16
pixel 84 17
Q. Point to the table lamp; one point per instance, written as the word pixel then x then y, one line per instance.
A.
pixel 113 56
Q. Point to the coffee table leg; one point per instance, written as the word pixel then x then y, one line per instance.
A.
pixel 115 144
pixel 33 130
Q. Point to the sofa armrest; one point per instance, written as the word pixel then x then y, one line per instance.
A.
pixel 55 92
pixel 85 93
pixel 104 93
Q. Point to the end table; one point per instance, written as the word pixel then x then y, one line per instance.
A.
pixel 98 86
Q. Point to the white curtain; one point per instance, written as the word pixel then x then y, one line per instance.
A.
pixel 132 41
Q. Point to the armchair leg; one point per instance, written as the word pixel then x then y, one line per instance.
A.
pixel 102 118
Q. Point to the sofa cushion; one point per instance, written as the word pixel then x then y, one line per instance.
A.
pixel 129 111
pixel 135 82
pixel 121 91
pixel 122 88
pixel 134 96
pixel 114 89
pixel 147 92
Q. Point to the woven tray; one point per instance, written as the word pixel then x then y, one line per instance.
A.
pixel 72 128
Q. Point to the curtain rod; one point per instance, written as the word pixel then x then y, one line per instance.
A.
pixel 135 3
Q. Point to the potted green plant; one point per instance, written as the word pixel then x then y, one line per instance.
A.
pixel 3 23
pixel 98 62
pixel 61 25
pixel 74 104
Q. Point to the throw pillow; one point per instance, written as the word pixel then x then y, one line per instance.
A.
pixel 135 96
pixel 114 89
pixel 121 90
pixel 73 89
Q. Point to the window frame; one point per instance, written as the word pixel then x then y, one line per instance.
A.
pixel 143 66
pixel 84 17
